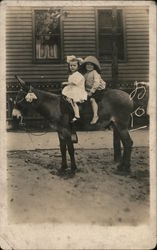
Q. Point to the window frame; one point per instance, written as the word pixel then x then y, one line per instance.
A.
pixel 46 61
pixel 124 34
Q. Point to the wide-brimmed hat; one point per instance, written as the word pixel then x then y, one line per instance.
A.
pixel 94 60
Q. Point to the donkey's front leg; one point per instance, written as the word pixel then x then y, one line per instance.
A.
pixel 71 152
pixel 63 152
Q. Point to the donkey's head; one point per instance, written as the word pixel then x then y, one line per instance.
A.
pixel 25 96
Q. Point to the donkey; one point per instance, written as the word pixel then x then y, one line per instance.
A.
pixel 114 108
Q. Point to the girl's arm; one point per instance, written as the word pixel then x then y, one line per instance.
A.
pixel 72 83
pixel 64 84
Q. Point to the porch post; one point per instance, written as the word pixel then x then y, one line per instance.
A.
pixel 116 138
pixel 114 49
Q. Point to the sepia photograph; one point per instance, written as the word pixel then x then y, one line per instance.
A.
pixel 78 125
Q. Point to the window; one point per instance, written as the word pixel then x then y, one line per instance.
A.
pixel 105 34
pixel 47 35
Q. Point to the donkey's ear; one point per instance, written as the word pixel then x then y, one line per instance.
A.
pixel 22 82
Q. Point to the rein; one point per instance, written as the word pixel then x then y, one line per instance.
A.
pixel 28 130
pixel 21 99
pixel 23 124
pixel 140 110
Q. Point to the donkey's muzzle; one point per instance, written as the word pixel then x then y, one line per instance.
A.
pixel 16 113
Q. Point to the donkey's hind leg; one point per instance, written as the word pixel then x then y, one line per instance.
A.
pixel 127 145
pixel 116 144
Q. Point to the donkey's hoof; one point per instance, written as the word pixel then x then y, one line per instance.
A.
pixel 64 166
pixel 117 159
pixel 74 169
pixel 61 171
pixel 120 167
pixel 72 174
pixel 123 168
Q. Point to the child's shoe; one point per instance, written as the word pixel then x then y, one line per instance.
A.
pixel 94 120
pixel 75 119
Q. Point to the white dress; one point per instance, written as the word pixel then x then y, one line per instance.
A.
pixel 76 87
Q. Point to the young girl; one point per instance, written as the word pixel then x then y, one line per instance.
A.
pixel 75 89
pixel 93 83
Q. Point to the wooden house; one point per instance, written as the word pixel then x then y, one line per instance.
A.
pixel 38 39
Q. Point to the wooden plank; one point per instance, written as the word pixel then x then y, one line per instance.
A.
pixel 41 67
pixel 83 45
pixel 78 22
pixel 18 25
pixel 19 50
pixel 137 72
pixel 138 18
pixel 136 11
pixel 80 34
pixel 21 29
pixel 18 15
pixel 11 34
pixel 82 11
pixel 18 61
pixel 18 39
pixel 139 22
pixel 14 55
pixel 134 66
pixel 138 35
pixel 134 16
pixel 69 39
pixel 138 41
pixel 144 49
pixel 134 45
pixel 79 31
pixel 73 50
pixel 13 45
pixel 79 28
pixel 135 33
pixel 138 60
pixel 18 8
pixel 76 42
pixel 36 80
pixel 17 45
pixel 138 26
pixel 80 18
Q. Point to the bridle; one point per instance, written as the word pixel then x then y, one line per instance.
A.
pixel 21 123
pixel 21 100
pixel 16 101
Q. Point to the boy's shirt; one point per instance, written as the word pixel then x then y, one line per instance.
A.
pixel 94 81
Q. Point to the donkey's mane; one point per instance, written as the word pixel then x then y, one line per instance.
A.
pixel 48 94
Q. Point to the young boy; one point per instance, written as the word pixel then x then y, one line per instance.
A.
pixel 94 84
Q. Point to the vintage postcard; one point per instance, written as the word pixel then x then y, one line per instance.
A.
pixel 78 124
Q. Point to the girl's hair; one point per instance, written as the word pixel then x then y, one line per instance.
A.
pixel 73 60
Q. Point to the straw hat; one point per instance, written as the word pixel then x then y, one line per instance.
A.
pixel 94 60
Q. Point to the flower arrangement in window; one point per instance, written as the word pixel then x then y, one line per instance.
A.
pixel 47 34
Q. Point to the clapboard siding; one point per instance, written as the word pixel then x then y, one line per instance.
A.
pixel 79 38
pixel 137 45
pixel 79 28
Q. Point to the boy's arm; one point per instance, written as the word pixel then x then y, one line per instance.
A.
pixel 96 82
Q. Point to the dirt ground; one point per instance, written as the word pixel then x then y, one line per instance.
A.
pixel 95 195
